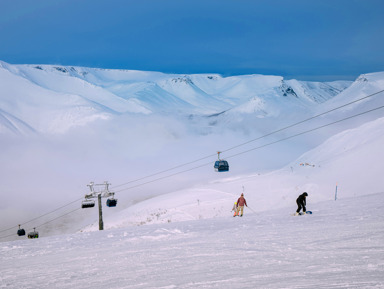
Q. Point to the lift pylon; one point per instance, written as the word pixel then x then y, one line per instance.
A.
pixel 99 191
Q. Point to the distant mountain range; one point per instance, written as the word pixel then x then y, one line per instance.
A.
pixel 53 99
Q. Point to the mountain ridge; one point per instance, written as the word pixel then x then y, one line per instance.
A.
pixel 107 92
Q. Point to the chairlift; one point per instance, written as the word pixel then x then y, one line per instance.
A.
pixel 87 204
pixel 221 165
pixel 111 202
pixel 20 232
pixel 33 235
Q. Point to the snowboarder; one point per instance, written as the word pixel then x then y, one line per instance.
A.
pixel 234 208
pixel 240 205
pixel 301 202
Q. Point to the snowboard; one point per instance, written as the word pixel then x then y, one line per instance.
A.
pixel 307 213
pixel 301 213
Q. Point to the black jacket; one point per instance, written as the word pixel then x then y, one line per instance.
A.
pixel 301 200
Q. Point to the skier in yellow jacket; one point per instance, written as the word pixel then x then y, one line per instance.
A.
pixel 234 208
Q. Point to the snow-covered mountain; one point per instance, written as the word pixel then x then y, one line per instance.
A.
pixel 76 96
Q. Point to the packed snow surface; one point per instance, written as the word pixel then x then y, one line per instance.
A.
pixel 339 246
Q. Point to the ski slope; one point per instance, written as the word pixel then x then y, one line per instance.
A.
pixel 339 246
pixel 349 160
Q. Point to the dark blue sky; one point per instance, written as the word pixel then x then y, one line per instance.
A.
pixel 303 39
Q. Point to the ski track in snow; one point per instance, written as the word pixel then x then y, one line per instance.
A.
pixel 339 246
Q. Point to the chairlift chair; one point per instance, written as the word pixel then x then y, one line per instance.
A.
pixel 87 204
pixel 33 235
pixel 111 202
pixel 20 232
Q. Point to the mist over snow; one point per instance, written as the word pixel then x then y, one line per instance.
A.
pixel 349 160
pixel 63 127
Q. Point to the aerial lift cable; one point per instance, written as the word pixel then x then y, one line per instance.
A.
pixel 34 219
pixel 259 147
pixel 253 140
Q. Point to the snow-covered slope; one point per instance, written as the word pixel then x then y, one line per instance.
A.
pixel 349 160
pixel 55 105
pixel 339 246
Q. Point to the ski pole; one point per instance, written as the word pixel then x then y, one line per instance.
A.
pixel 251 209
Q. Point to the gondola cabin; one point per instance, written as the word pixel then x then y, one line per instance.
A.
pixel 87 204
pixel 20 232
pixel 221 166
pixel 33 235
pixel 111 202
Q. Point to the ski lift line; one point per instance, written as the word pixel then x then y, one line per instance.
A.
pixel 58 218
pixel 75 201
pixel 307 131
pixel 259 147
pixel 41 225
pixel 209 156
pixel 12 228
pixel 305 120
pixel 165 177
pixel 311 130
pixel 7 236
pixel 164 171
pixel 281 140
pixel 242 144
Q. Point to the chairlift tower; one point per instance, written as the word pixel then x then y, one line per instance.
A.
pixel 99 191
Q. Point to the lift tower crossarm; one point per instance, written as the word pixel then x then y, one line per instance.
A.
pixel 104 193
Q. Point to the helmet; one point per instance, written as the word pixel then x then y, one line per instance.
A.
pixel 305 194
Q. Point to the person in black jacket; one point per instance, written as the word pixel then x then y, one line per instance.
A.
pixel 301 202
